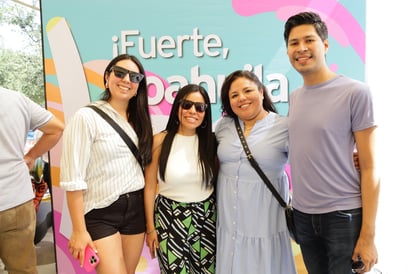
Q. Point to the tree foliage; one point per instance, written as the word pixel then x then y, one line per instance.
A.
pixel 21 66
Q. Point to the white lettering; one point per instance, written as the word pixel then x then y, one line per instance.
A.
pixel 158 85
pixel 212 41
pixel 124 36
pixel 277 86
pixel 169 47
pixel 166 42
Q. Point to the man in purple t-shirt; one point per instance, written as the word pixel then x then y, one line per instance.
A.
pixel 329 117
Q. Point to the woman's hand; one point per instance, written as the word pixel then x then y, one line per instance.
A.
pixel 152 242
pixel 78 243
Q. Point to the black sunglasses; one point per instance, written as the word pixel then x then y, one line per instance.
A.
pixel 120 72
pixel 200 107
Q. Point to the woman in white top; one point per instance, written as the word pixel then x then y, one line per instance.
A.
pixel 181 220
pixel 103 180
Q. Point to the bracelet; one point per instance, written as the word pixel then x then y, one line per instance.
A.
pixel 151 231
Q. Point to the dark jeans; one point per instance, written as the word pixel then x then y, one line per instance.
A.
pixel 327 240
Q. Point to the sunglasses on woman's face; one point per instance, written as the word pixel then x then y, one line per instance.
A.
pixel 120 72
pixel 200 107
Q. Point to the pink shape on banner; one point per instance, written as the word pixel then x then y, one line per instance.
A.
pixel 163 107
pixel 68 265
pixel 333 67
pixel 341 23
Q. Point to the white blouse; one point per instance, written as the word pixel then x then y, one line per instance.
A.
pixel 183 173
pixel 97 160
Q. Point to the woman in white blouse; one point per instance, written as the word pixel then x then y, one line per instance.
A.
pixel 103 180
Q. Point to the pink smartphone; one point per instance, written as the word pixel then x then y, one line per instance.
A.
pixel 90 259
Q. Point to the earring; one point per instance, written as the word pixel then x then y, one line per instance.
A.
pixel 106 85
pixel 203 125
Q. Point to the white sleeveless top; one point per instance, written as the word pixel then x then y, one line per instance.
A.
pixel 183 175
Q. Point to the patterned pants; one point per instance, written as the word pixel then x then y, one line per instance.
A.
pixel 187 235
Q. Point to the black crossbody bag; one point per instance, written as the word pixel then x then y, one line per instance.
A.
pixel 288 208
pixel 122 133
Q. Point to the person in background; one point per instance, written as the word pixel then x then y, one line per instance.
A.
pixel 330 116
pixel 181 220
pixel 19 115
pixel 103 180
pixel 252 236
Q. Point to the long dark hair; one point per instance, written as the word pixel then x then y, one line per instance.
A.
pixel 207 140
pixel 137 110
pixel 224 92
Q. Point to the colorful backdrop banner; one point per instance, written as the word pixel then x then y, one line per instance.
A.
pixel 178 42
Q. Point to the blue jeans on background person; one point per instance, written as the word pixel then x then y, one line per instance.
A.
pixel 327 240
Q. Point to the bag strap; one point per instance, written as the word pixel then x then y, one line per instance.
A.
pixel 122 133
pixel 256 166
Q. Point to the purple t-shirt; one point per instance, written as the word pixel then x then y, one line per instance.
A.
pixel 322 122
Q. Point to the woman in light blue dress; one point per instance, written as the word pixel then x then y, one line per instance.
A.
pixel 252 236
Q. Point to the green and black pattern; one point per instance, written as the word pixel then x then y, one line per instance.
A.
pixel 187 236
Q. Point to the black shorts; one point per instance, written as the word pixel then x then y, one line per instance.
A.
pixel 126 215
